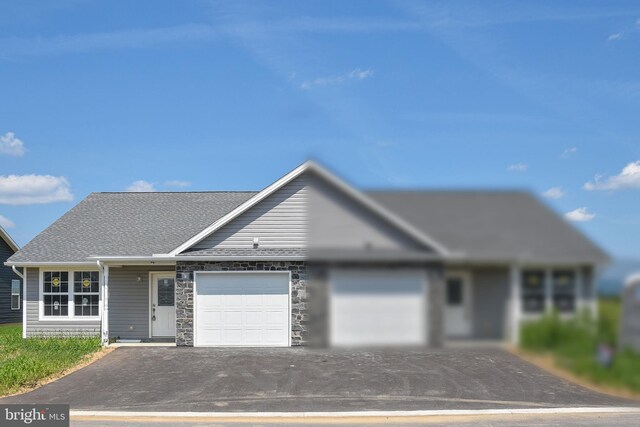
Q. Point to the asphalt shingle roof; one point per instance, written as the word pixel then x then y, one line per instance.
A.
pixel 492 225
pixel 128 224
pixel 242 252
pixel 483 225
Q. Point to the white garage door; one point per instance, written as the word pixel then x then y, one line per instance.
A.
pixel 242 309
pixel 378 308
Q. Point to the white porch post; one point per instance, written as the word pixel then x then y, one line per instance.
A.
pixel 516 302
pixel 548 290
pixel 104 326
pixel 579 291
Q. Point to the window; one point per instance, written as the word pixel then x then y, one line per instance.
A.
pixel 165 292
pixel 454 291
pixel 564 290
pixel 55 293
pixel 86 293
pixel 71 294
pixel 533 291
pixel 15 294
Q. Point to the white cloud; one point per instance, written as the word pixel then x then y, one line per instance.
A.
pixel 177 183
pixel 627 179
pixel 355 74
pixel 141 187
pixel 6 222
pixel 359 74
pixel 11 145
pixel 518 167
pixel 34 189
pixel 554 193
pixel 569 152
pixel 580 215
pixel 614 36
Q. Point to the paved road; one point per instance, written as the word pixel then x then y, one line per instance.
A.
pixel 208 379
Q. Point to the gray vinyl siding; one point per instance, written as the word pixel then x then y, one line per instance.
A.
pixel 278 221
pixel 129 301
pixel 490 293
pixel 6 276
pixel 337 221
pixel 36 327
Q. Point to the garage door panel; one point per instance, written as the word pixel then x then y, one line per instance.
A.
pixel 374 307
pixel 242 309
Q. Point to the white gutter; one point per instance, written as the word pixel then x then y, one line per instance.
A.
pixel 24 297
pixel 52 263
pixel 15 270
pixel 171 259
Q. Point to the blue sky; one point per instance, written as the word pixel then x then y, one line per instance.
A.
pixel 199 95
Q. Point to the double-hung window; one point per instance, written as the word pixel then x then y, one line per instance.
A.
pixel 55 293
pixel 70 294
pixel 15 294
pixel 564 290
pixel 86 293
pixel 533 291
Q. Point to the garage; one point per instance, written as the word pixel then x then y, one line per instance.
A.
pixel 378 307
pixel 248 309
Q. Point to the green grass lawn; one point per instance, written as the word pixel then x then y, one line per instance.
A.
pixel 573 344
pixel 25 362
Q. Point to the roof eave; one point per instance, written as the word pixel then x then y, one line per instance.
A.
pixel 7 238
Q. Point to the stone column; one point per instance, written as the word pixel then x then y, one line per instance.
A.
pixel 184 307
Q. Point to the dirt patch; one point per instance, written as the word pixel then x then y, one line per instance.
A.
pixel 86 361
pixel 548 363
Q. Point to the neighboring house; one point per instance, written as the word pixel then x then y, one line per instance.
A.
pixel 307 257
pixel 10 285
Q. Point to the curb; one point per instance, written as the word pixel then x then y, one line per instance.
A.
pixel 358 414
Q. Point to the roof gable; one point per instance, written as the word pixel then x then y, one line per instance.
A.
pixel 325 175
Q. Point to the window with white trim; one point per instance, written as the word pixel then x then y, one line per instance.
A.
pixel 564 290
pixel 70 294
pixel 86 293
pixel 533 291
pixel 55 293
pixel 15 294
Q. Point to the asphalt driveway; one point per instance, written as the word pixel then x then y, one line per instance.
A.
pixel 296 379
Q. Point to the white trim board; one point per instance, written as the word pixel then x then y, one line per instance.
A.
pixel 24 303
pixel 355 194
pixel 7 238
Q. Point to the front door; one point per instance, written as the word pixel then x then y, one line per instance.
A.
pixel 163 307
pixel 458 307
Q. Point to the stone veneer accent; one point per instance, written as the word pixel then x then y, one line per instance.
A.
pixel 184 293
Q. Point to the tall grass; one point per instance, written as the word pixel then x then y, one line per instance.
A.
pixel 25 362
pixel 574 343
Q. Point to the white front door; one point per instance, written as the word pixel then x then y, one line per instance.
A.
pixel 163 306
pixel 458 307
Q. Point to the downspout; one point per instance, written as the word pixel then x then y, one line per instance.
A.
pixel 104 324
pixel 15 270
pixel 24 298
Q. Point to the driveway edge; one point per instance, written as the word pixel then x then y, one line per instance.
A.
pixel 548 364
